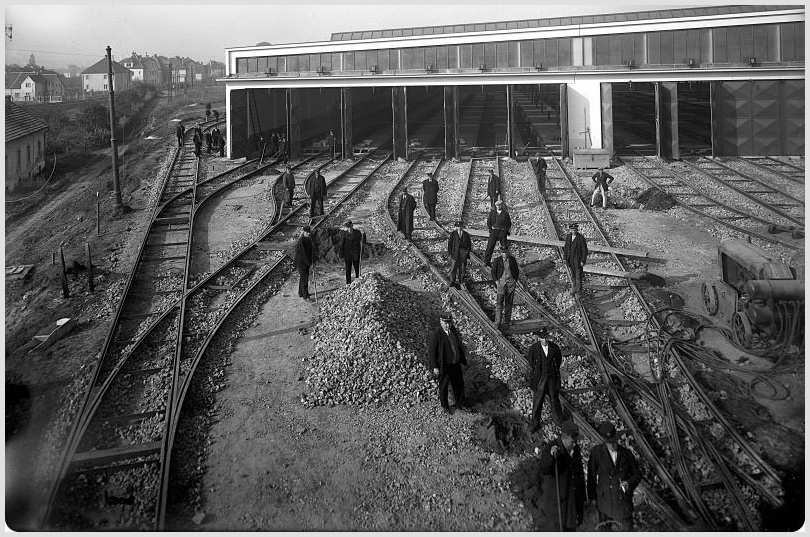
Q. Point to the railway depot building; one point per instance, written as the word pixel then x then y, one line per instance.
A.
pixel 719 80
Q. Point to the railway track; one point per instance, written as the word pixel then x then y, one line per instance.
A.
pixel 124 443
pixel 652 172
pixel 772 199
pixel 790 171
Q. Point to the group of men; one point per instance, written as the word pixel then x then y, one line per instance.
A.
pixel 278 145
pixel 214 139
pixel 350 249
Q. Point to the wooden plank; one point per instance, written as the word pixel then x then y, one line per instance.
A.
pixel 105 456
pixel 540 241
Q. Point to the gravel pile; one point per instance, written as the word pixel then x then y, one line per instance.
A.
pixel 655 199
pixel 371 345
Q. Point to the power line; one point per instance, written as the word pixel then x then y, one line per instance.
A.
pixel 54 52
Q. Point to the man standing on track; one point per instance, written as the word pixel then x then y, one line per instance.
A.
pixel 304 258
pixel 221 145
pixel 575 253
pixel 215 138
pixel 561 472
pixel 545 359
pixel 208 141
pixel 350 249
pixel 505 272
pixel 613 476
pixel 493 188
pixel 330 143
pixel 458 247
pixel 601 181
pixel 318 194
pixel 499 224
pixel 446 355
pixel 288 180
pixel 407 205
pixel 430 195
pixel 197 143
pixel 180 132
pixel 540 167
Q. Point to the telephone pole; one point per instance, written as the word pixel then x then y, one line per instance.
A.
pixel 116 185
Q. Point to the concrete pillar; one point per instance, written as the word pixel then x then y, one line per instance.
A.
pixel 346 147
pixel 565 148
pixel 228 123
pixel 584 115
pixel 510 117
pixel 666 120
pixel 607 117
pixel 399 107
pixel 450 116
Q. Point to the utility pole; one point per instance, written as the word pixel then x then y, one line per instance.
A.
pixel 116 185
pixel 171 81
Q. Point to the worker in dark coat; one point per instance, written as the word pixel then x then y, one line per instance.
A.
pixel 284 144
pixel 208 141
pixel 561 469
pixel 351 248
pixel 407 205
pixel 215 138
pixel 317 196
pixel 540 166
pixel 330 143
pixel 575 253
pixel 446 356
pixel 304 258
pixel 545 359
pixel 505 272
pixel 430 195
pixel 274 142
pixel 222 146
pixel 499 224
pixel 288 180
pixel 197 143
pixel 493 188
pixel 459 246
pixel 601 180
pixel 613 476
pixel 180 133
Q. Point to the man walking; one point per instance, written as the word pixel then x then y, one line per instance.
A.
pixel 505 273
pixel 197 143
pixel 446 355
pixel 545 359
pixel 288 180
pixel 430 195
pixel 458 247
pixel 613 476
pixel 575 252
pixel 304 257
pixel 540 168
pixel 493 188
pixel 601 181
pixel 318 194
pixel 499 224
pixel 562 481
pixel 350 250
pixel 180 131
pixel 407 204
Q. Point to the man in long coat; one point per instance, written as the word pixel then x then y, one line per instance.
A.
pixel 304 257
pixel 350 250
pixel 445 357
pixel 499 224
pixel 215 138
pixel 221 145
pixel 493 188
pixel 407 204
pixel 208 141
pixel 197 143
pixel 430 195
pixel 575 253
pixel 288 180
pixel 545 359
pixel 505 272
pixel 568 477
pixel 540 167
pixel 613 476
pixel 318 195
pixel 459 246
pixel 180 133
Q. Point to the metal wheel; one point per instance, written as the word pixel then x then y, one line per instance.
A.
pixel 741 326
pixel 710 299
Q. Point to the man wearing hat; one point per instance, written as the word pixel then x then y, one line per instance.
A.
pixel 493 188
pixel 350 249
pixel 499 224
pixel 562 481
pixel 575 253
pixel 288 180
pixel 505 272
pixel 317 194
pixel 445 356
pixel 458 247
pixel 601 181
pixel 540 167
pixel 430 195
pixel 304 257
pixel 545 359
pixel 407 204
pixel 613 475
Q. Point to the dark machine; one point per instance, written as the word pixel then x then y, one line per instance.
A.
pixel 758 297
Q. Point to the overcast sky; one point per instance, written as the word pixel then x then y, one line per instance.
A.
pixel 62 34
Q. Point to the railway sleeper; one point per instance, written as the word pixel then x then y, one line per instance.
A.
pixel 107 456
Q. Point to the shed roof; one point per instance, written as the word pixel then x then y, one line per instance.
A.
pixel 100 67
pixel 557 21
pixel 20 122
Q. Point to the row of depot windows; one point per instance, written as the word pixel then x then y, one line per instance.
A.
pixel 736 44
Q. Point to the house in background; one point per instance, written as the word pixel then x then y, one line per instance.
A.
pixel 94 78
pixel 144 68
pixel 26 87
pixel 25 145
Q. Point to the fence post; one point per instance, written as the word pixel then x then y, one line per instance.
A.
pixel 65 289
pixel 90 283
pixel 98 216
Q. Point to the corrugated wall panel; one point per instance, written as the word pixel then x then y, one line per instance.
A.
pixel 792 100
